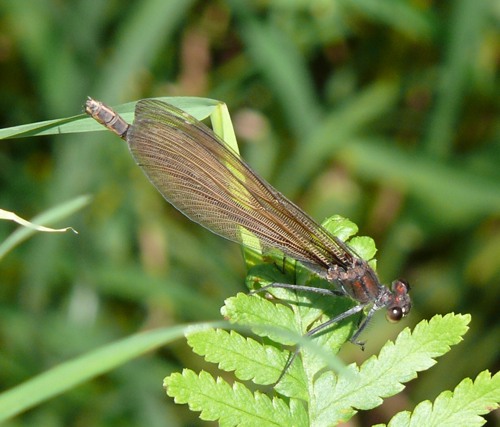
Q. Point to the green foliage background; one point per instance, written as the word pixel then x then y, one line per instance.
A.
pixel 386 112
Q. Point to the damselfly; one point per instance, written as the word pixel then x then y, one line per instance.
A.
pixel 198 174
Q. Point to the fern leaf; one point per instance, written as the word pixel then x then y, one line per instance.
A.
pixel 249 359
pixel 383 376
pixel 232 406
pixel 462 407
pixel 251 310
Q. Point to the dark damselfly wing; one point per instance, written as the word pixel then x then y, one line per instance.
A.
pixel 204 179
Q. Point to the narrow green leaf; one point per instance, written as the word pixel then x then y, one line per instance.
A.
pixel 327 137
pixel 197 107
pixel 69 374
pixel 465 37
pixel 436 184
pixel 140 36
pixel 281 64
pixel 405 17
pixel 223 127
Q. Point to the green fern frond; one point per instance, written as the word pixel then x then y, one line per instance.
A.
pixel 232 406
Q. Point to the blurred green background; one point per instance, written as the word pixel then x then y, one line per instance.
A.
pixel 386 112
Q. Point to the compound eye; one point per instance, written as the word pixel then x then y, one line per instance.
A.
pixel 394 314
